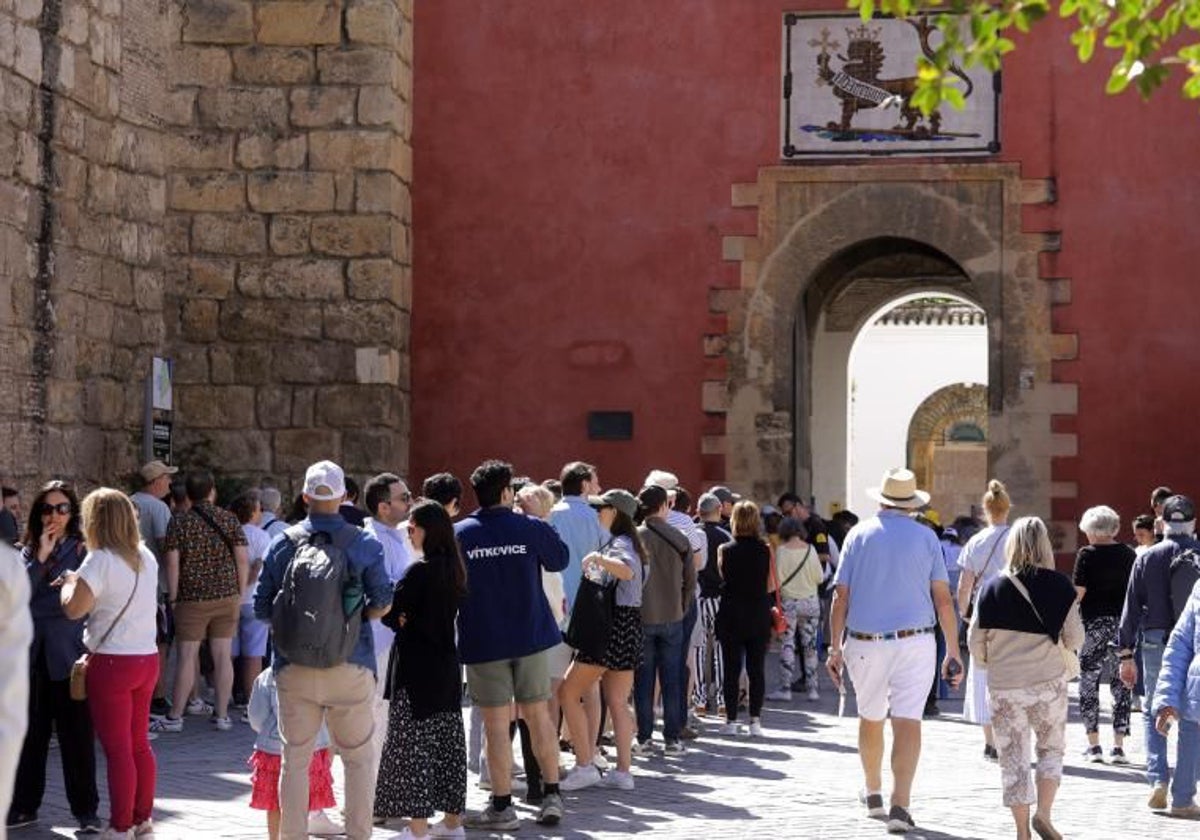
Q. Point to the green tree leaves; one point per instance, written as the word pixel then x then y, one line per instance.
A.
pixel 1152 38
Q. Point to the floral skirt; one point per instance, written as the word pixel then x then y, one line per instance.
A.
pixel 624 651
pixel 264 780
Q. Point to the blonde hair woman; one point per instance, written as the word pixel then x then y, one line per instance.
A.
pixel 981 560
pixel 116 587
pixel 743 623
pixel 1023 618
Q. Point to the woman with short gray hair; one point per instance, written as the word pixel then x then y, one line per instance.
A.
pixel 1102 570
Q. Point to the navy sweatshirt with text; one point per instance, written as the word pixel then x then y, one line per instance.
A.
pixel 505 614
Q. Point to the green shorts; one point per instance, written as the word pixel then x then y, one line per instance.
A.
pixel 498 683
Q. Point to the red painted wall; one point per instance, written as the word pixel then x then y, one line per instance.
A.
pixel 573 169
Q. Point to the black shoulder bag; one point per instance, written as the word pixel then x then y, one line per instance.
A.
pixel 590 625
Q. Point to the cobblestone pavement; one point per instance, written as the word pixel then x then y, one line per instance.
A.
pixel 800 780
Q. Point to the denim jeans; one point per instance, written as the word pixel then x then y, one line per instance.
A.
pixel 685 638
pixel 1187 757
pixel 662 644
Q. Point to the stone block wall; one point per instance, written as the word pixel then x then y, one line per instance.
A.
pixel 82 202
pixel 289 232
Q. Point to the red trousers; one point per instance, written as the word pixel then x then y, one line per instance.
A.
pixel 119 691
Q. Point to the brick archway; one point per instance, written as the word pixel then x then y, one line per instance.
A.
pixel 934 419
pixel 760 399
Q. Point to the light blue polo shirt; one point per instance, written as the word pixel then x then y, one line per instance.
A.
pixel 888 563
pixel 578 526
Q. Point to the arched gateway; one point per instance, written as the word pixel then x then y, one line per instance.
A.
pixel 834 243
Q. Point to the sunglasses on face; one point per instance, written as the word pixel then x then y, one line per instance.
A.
pixel 62 508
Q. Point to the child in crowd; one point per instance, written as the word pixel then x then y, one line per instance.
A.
pixel 265 761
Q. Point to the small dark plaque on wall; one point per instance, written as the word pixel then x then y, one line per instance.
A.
pixel 610 425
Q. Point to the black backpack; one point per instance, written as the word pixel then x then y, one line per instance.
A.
pixel 317 613
pixel 1185 572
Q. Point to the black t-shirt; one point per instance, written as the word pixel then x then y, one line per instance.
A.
pixel 1104 571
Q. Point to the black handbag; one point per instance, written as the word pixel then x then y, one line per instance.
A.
pixel 591 621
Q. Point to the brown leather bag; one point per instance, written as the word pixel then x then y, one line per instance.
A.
pixel 80 666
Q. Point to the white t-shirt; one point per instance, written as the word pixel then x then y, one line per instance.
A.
pixel 257 542
pixel 111 580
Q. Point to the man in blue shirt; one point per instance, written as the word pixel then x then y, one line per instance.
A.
pixel 890 589
pixel 505 628
pixel 340 696
pixel 579 527
pixel 1148 611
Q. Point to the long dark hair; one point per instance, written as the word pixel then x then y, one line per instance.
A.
pixel 440 545
pixel 33 530
pixel 623 526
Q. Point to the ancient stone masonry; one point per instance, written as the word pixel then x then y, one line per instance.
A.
pixel 82 203
pixel 223 182
pixel 289 234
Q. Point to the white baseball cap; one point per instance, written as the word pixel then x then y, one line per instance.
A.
pixel 324 481
pixel 662 478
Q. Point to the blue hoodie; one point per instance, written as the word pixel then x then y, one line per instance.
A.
pixel 505 614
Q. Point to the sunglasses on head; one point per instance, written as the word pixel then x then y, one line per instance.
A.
pixel 62 508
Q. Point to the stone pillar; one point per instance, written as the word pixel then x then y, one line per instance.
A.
pixel 289 233
pixel 82 203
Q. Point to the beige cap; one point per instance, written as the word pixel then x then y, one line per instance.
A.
pixel 154 469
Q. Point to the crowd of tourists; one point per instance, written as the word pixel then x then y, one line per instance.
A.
pixel 578 618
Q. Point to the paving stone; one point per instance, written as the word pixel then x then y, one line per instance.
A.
pixel 800 780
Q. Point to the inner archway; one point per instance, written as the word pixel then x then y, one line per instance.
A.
pixel 890 320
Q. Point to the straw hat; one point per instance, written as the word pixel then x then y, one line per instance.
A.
pixel 899 490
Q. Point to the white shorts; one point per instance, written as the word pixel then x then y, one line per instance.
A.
pixel 893 675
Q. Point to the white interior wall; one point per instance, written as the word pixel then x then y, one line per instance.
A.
pixel 893 369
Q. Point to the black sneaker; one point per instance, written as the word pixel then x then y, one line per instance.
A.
pixel 874 803
pixel 89 825
pixel 899 821
pixel 535 795
pixel 1117 756
pixel 20 820
pixel 990 753
pixel 160 707
pixel 1094 754
pixel 931 709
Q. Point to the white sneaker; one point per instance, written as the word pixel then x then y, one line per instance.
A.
pixel 780 694
pixel 224 724
pixel 321 825
pixel 619 779
pixel 580 778
pixel 440 829
pixel 730 728
pixel 674 748
pixel 144 829
pixel 600 762
pixel 199 708
pixel 756 729
pixel 813 694
pixel 111 833
pixel 642 749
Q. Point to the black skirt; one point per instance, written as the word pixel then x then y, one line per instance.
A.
pixel 624 651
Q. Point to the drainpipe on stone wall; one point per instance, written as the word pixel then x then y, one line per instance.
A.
pixel 44 322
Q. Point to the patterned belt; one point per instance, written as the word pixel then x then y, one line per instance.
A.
pixel 888 637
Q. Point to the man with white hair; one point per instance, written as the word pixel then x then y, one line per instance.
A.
pixel 698 541
pixel 271 500
pixel 1148 610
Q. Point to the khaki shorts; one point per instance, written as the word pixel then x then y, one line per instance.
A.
pixel 498 683
pixel 196 621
